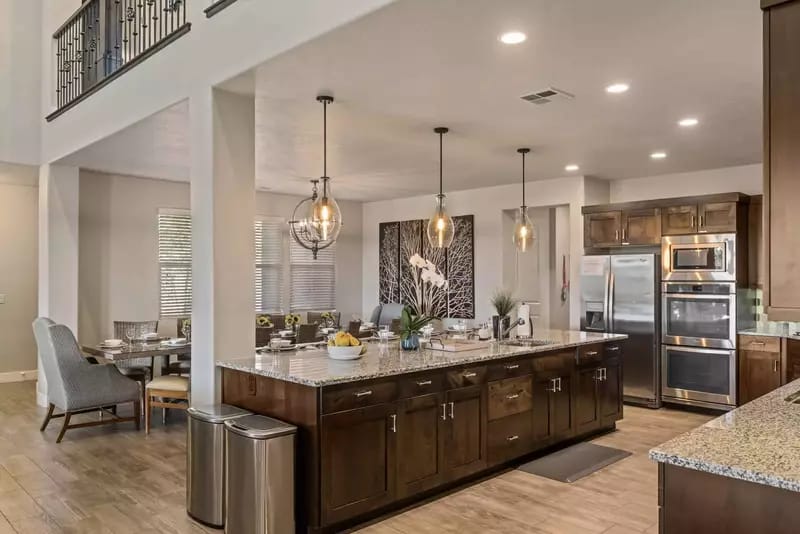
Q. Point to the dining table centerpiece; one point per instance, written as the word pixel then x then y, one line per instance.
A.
pixel 292 321
pixel 264 320
pixel 327 319
pixel 411 326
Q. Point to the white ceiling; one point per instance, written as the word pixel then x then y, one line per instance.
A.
pixel 417 64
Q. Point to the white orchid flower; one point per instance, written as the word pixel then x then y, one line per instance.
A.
pixel 430 265
pixel 417 261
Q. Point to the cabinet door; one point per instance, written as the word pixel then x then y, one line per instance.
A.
pixel 587 402
pixel 759 373
pixel 358 461
pixel 420 443
pixel 542 407
pixel 641 227
pixel 562 413
pixel 610 393
pixel 717 217
pixel 602 229
pixel 465 439
pixel 679 220
pixel 792 361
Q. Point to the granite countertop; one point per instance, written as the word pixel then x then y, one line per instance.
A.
pixel 313 367
pixel 758 442
pixel 787 330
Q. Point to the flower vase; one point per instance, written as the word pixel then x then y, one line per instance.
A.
pixel 500 324
pixel 410 342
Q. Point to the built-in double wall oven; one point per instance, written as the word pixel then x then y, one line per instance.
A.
pixel 699 320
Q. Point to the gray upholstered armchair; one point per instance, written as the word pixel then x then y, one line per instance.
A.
pixel 76 386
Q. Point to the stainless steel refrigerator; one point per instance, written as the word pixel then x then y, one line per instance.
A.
pixel 620 294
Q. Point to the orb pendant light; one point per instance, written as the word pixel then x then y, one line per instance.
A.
pixel 325 218
pixel 523 228
pixel 440 226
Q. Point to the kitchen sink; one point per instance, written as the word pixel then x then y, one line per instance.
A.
pixel 527 342
pixel 794 398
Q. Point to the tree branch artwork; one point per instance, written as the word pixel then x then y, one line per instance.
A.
pixel 429 293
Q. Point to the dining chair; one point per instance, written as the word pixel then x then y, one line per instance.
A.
pixel 139 369
pixel 307 333
pixel 167 393
pixel 279 321
pixel 314 317
pixel 354 328
pixel 263 335
pixel 396 326
pixel 76 386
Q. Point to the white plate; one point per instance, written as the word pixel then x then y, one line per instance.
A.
pixel 286 348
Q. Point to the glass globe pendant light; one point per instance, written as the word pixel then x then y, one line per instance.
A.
pixel 325 217
pixel 524 233
pixel 440 226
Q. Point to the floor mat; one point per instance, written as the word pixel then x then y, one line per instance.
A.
pixel 575 462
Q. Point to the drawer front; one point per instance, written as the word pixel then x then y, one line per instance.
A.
pixel 555 363
pixel 347 398
pixel 500 371
pixel 510 397
pixel 590 354
pixel 760 343
pixel 510 437
pixel 466 377
pixel 421 385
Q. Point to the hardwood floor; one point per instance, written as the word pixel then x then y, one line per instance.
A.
pixel 115 480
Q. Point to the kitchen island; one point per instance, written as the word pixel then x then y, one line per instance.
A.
pixel 394 427
pixel 739 473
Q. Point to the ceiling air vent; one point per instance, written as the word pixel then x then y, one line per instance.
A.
pixel 551 94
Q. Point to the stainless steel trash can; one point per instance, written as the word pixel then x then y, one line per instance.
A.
pixel 259 470
pixel 205 462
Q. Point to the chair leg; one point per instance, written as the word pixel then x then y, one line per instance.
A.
pixel 67 416
pixel 137 413
pixel 47 417
pixel 146 413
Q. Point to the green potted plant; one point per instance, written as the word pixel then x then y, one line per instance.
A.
pixel 504 303
pixel 410 327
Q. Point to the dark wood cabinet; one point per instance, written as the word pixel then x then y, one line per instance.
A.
pixel 602 230
pixel 781 159
pixel 641 226
pixel 553 413
pixel 610 392
pixel 587 399
pixel 760 367
pixel 792 360
pixel 421 423
pixel 358 461
pixel 679 220
pixel 716 217
pixel 464 437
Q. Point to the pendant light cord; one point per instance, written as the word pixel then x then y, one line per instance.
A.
pixel 441 158
pixel 324 149
pixel 523 179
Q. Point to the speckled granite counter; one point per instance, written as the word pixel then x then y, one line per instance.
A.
pixel 758 442
pixel 773 329
pixel 314 368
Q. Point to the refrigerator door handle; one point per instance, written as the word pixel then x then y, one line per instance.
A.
pixel 610 300
pixel 606 301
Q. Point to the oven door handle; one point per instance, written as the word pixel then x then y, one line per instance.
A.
pixel 695 296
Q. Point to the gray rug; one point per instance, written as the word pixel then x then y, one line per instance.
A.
pixel 575 462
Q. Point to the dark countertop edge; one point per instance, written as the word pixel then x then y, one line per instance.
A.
pixel 231 364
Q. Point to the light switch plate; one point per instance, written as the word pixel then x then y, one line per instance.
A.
pixel 2 298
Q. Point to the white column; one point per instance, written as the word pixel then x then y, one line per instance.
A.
pixel 223 211
pixel 58 252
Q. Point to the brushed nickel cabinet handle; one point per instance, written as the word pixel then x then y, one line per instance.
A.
pixel 758 343
pixel 512 438
pixel 512 396
pixel 558 381
pixel 616 235
pixel 513 366
pixel 393 417
pixel 598 375
pixel 424 383
pixel 693 219
pixel 552 388
pixel 452 414
pixel 592 353
pixel 444 411
pixel 470 374
pixel 365 393
pixel 612 349
pixel 775 366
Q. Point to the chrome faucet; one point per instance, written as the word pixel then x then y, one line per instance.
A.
pixel 504 333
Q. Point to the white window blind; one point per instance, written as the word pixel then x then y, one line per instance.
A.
pixel 313 282
pixel 269 264
pixel 175 263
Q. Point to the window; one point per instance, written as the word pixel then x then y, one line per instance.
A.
pixel 313 282
pixel 269 264
pixel 175 263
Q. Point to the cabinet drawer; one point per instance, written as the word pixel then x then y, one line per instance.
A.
pixel 510 396
pixel 510 437
pixel 500 371
pixel 760 343
pixel 347 398
pixel 421 385
pixel 555 363
pixel 590 354
pixel 466 377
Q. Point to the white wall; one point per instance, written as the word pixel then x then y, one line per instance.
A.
pixel 18 272
pixel 487 205
pixel 747 179
pixel 119 242
pixel 20 72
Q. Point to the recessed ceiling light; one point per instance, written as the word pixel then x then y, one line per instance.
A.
pixel 571 167
pixel 658 155
pixel 688 122
pixel 513 37
pixel 616 88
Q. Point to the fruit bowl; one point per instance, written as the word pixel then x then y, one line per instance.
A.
pixel 346 353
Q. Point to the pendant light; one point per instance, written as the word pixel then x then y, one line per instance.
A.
pixel 440 226
pixel 325 219
pixel 523 228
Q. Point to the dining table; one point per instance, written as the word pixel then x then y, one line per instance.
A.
pixel 145 349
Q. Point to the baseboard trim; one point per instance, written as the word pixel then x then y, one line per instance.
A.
pixel 18 376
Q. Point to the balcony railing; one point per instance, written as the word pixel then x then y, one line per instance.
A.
pixel 106 37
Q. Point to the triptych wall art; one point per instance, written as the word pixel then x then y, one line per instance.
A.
pixel 398 241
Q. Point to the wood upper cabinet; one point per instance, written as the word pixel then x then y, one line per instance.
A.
pixel 359 461
pixel 782 159
pixel 421 423
pixel 716 217
pixel 679 220
pixel 602 229
pixel 641 227
pixel 464 435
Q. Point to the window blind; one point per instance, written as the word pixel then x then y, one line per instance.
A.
pixel 313 282
pixel 175 263
pixel 269 264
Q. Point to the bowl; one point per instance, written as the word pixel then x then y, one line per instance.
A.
pixel 112 342
pixel 346 353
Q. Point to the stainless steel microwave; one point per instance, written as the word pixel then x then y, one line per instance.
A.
pixel 698 258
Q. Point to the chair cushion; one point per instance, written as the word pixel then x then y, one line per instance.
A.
pixel 169 383
pixel 376 315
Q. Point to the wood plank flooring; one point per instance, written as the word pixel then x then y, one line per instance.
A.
pixel 115 480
